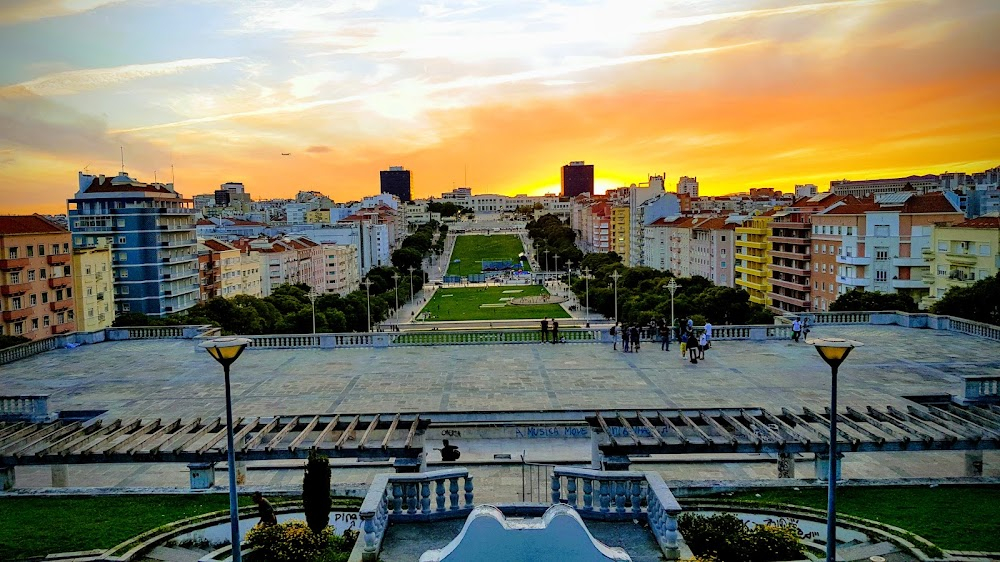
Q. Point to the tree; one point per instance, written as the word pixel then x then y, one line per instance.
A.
pixel 873 300
pixel 316 499
pixel 979 302
pixel 405 258
pixel 11 341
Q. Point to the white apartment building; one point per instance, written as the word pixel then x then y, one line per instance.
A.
pixel 342 275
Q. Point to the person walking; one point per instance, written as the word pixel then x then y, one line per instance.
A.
pixel 702 345
pixel 626 337
pixel 555 331
pixel 636 337
pixel 614 336
pixel 693 347
pixel 664 337
pixel 684 343
pixel 796 330
pixel 545 329
pixel 265 510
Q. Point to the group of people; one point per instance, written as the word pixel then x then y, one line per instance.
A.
pixel 631 336
pixel 554 325
pixel 800 329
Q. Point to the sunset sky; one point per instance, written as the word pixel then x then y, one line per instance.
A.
pixel 740 93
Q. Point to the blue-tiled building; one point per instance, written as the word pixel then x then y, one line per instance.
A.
pixel 151 228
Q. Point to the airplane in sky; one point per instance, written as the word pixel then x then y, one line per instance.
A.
pixel 286 153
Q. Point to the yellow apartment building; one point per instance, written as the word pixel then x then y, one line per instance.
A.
pixel 752 272
pixel 620 227
pixel 95 295
pixel 961 254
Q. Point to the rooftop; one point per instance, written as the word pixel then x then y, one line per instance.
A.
pixel 29 224
pixel 173 378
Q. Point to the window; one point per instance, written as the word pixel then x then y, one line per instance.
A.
pixel 34 323
pixel 59 294
pixel 849 230
pixel 881 254
pixel 723 238
pixel 32 300
pixel 31 251
pixel 55 249
pixel 823 268
pixel 45 297
pixel 41 249
pixel 815 284
pixel 121 224
pixel 125 290
pixel 90 313
pixel 42 273
pixel 121 239
pixel 12 253
pixel 723 264
pixel 15 303
pixel 69 292
pixel 15 277
pixel 90 291
pixel 815 267
pixel 881 275
pixel 816 248
pixel 941 270
pixel 65 247
pixel 18 328
pixel 61 318
pixel 984 249
pixel 66 271
pixel 124 274
pixel 87 270
pixel 46 321
pixel 31 275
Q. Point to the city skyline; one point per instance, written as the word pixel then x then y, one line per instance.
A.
pixel 738 93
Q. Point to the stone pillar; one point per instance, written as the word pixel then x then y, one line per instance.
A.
pixel 786 465
pixel 202 475
pixel 7 480
pixel 823 466
pixel 423 461
pixel 406 466
pixel 59 477
pixel 618 463
pixel 595 452
pixel 241 473
pixel 974 463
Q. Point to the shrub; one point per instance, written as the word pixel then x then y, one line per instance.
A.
pixel 316 499
pixel 726 538
pixel 292 541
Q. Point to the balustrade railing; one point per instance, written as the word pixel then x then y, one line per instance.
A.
pixel 154 332
pixel 487 337
pixel 407 498
pixel 975 328
pixel 284 341
pixel 621 496
pixel 28 349
pixel 27 407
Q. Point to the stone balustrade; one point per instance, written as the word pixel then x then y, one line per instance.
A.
pixel 27 407
pixel 408 498
pixel 621 496
pixel 28 349
pixel 971 328
pixel 980 389
pixel 282 341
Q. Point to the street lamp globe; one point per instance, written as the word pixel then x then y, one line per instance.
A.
pixel 226 350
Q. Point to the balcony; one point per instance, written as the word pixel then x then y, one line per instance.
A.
pixel 14 289
pixel 58 259
pixel 791 270
pixel 753 258
pixel 60 282
pixel 65 304
pixel 16 263
pixel 961 259
pixel 927 253
pixel 857 260
pixel 762 287
pixel 15 315
pixel 909 262
pixel 854 281
pixel 753 245
pixel 793 285
pixel 804 304
pixel 63 328
pixel 908 284
pixel 790 255
pixel 751 272
pixel 788 240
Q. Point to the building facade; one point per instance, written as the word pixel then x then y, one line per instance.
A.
pixel 227 271
pixel 93 288
pixel 151 229
pixel 960 255
pixel 752 271
pixel 341 262
pixel 577 179
pixel 713 244
pixel 396 181
pixel 36 278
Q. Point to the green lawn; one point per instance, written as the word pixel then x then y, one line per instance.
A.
pixel 36 526
pixel 952 517
pixel 473 249
pixel 463 304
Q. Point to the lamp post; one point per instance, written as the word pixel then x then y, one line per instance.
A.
pixel 569 277
pixel 833 351
pixel 672 285
pixel 368 292
pixel 546 252
pixel 586 283
pixel 556 264
pixel 226 351
pixel 412 269
pixel 312 299
pixel 395 278
pixel 615 276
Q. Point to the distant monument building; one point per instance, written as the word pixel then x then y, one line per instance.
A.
pixel 396 180
pixel 154 248
pixel 577 179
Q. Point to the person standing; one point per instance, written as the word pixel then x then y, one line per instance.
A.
pixel 684 342
pixel 796 330
pixel 708 334
pixel 614 336
pixel 545 329
pixel 626 337
pixel 636 337
pixel 702 345
pixel 664 337
pixel 555 331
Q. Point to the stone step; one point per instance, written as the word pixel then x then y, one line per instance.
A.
pixel 174 554
pixel 865 551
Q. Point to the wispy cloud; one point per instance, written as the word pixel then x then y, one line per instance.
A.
pixel 19 11
pixel 76 81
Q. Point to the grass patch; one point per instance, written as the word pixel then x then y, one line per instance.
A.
pixel 472 249
pixel 464 304
pixel 952 517
pixel 36 526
